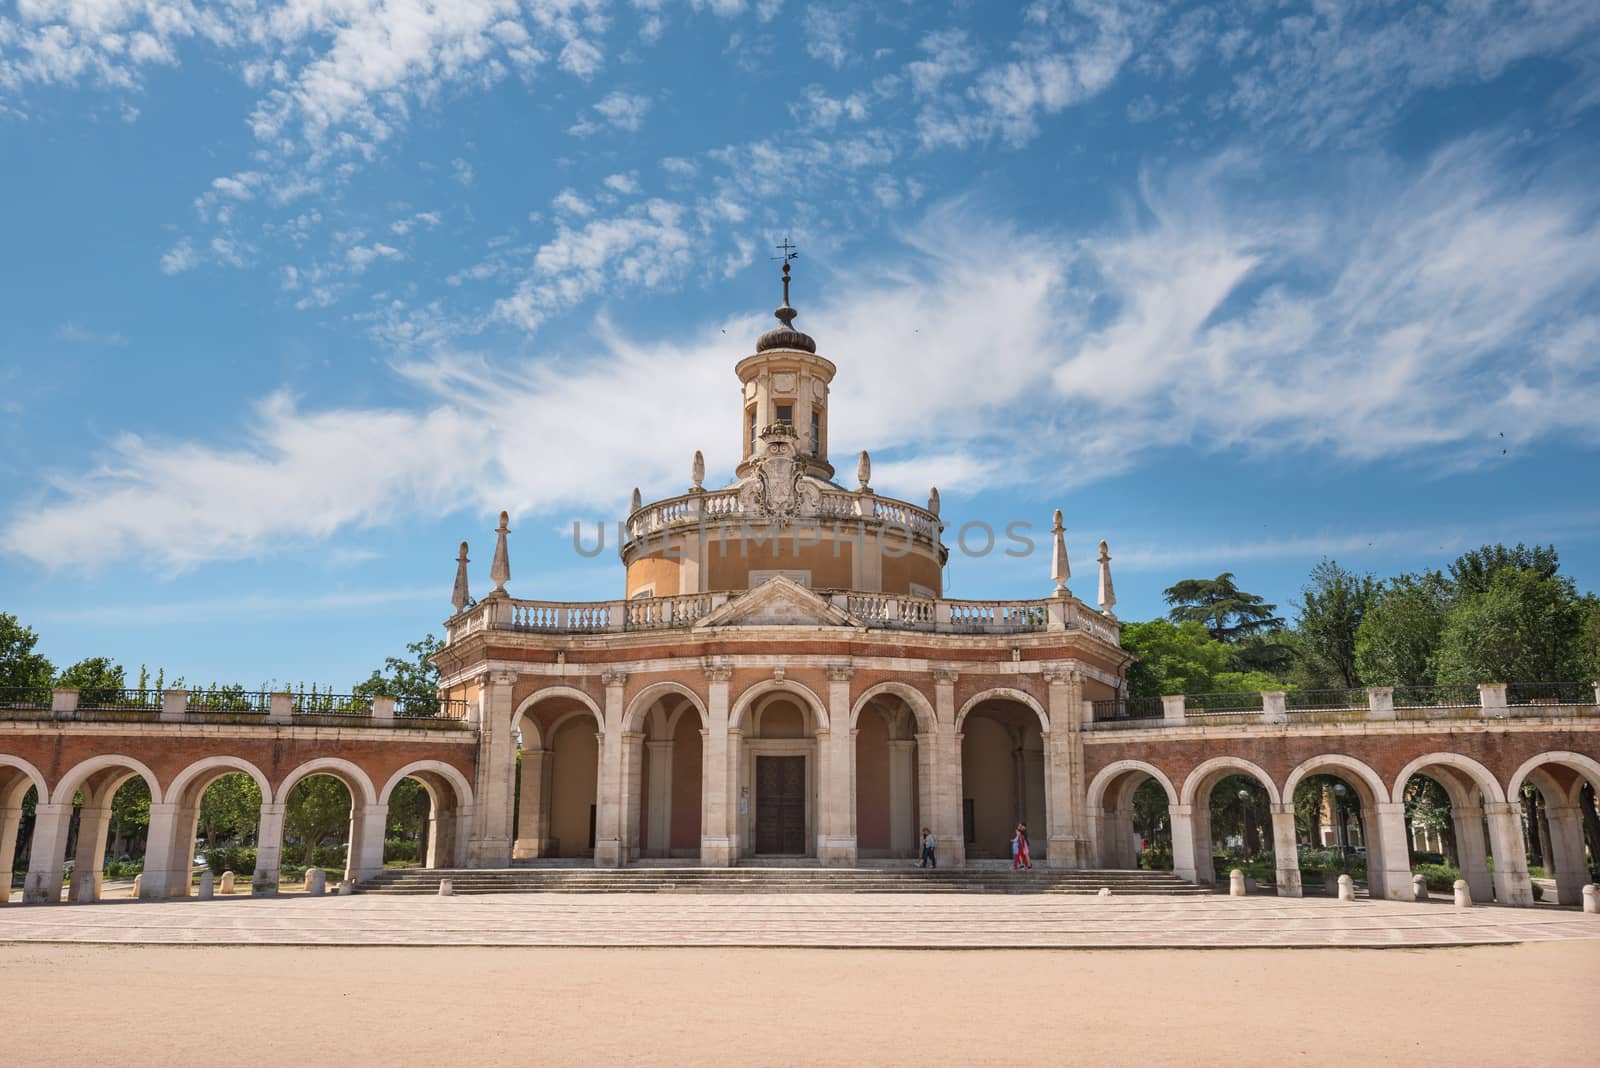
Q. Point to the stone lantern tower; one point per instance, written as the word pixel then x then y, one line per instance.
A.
pixel 785 392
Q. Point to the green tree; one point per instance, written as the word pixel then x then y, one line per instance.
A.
pixel 414 679
pixel 1332 606
pixel 1228 612
pixel 1179 658
pixel 230 809
pixel 317 811
pixel 130 816
pixel 96 679
pixel 19 664
pixel 1397 641
pixel 1524 626
pixel 1474 571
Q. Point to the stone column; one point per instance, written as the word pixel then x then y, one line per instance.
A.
pixel 365 860
pixel 47 857
pixel 1389 865
pixel 632 797
pixel 531 812
pixel 1470 851
pixel 1285 850
pixel 948 833
pixel 269 846
pixel 659 842
pixel 838 818
pixel 1566 843
pixel 490 845
pixel 93 822
pixel 902 835
pixel 166 872
pixel 10 823
pixel 610 779
pixel 1065 818
pixel 1200 820
pixel 1184 851
pixel 1511 883
pixel 716 810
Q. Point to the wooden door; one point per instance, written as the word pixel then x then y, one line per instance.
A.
pixel 781 805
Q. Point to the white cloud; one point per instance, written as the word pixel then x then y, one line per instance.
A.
pixel 179 258
pixel 816 110
pixel 77 334
pixel 462 171
pixel 828 31
pixel 625 184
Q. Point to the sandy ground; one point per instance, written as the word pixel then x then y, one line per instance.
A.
pixel 140 1005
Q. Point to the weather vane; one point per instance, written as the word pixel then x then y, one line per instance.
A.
pixel 790 251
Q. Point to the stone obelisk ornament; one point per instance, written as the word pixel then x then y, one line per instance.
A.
pixel 635 502
pixel 1060 569
pixel 500 569
pixel 1108 592
pixel 864 471
pixel 459 596
pixel 933 500
pixel 697 471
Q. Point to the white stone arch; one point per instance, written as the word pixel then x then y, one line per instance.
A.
pixel 1480 776
pixel 181 781
pixel 1104 778
pixel 80 772
pixel 1004 693
pixel 1586 768
pixel 1227 764
pixel 551 693
pixel 788 687
pixel 447 772
pixel 645 699
pixel 1361 770
pixel 921 707
pixel 339 768
pixel 31 772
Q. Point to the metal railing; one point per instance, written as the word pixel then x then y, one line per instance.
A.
pixel 234 700
pixel 344 705
pixel 96 699
pixel 1325 700
pixel 1127 709
pixel 430 708
pixel 1550 693
pixel 34 698
pixel 1221 704
pixel 1451 696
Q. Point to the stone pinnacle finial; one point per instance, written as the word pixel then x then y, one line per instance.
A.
pixel 500 569
pixel 864 470
pixel 933 500
pixel 786 314
pixel 697 471
pixel 1060 569
pixel 1108 592
pixel 636 502
pixel 459 596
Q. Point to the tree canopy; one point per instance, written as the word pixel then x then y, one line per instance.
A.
pixel 1227 611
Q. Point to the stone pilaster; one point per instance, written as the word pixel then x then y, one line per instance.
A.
pixel 716 797
pixel 162 877
pixel 1566 845
pixel 1186 851
pixel 1286 850
pixel 1065 818
pixel 269 847
pixel 365 857
pixel 903 834
pixel 659 824
pixel 93 822
pixel 948 831
pixel 611 782
pixel 531 811
pixel 1389 865
pixel 1512 886
pixel 837 820
pixel 490 845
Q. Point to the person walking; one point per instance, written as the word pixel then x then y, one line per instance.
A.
pixel 928 859
pixel 1021 857
pixel 1016 847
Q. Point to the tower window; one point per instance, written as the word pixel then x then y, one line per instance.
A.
pixel 753 430
pixel 786 414
pixel 816 432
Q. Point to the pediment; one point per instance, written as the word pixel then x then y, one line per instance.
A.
pixel 779 602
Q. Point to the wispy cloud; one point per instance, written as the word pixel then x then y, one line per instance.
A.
pixel 77 334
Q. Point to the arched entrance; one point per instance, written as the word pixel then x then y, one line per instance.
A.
pixel 663 748
pixel 773 741
pixel 1477 804
pixel 80 815
pixel 1003 775
pixel 558 775
pixel 444 821
pixel 1231 803
pixel 1129 808
pixel 1339 809
pixel 337 803
pixel 18 780
pixel 1561 824
pixel 238 785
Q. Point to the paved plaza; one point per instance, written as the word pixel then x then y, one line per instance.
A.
pixel 888 921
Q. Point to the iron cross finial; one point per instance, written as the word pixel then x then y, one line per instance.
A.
pixel 790 251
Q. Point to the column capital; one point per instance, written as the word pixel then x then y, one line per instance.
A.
pixel 944 676
pixel 717 672
pixel 613 677
pixel 840 672
pixel 503 678
pixel 1062 674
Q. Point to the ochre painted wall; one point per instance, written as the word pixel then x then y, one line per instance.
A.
pixel 572 788
pixel 659 570
pixel 872 782
pixel 731 570
pixel 686 766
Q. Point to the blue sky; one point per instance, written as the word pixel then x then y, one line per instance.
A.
pixel 297 295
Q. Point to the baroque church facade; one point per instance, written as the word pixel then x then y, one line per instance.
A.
pixel 783 677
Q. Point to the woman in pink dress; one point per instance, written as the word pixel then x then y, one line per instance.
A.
pixel 1022 858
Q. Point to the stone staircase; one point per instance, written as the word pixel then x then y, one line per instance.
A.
pixel 775 880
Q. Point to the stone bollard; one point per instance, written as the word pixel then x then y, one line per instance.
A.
pixel 1330 884
pixel 1591 898
pixel 1463 894
pixel 138 887
pixel 1105 891
pixel 85 895
pixel 208 886
pixel 1236 883
pixel 446 888
pixel 1419 888
pixel 347 887
pixel 227 882
pixel 316 882
pixel 1347 888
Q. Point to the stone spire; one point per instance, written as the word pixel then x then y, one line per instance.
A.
pixel 500 569
pixel 864 470
pixel 1108 592
pixel 635 502
pixel 786 336
pixel 933 500
pixel 697 471
pixel 1060 569
pixel 459 596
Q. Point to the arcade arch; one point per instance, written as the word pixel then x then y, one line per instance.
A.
pixel 1004 774
pixel 557 772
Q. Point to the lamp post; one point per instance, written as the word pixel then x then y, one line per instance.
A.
pixel 1244 800
pixel 1342 836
